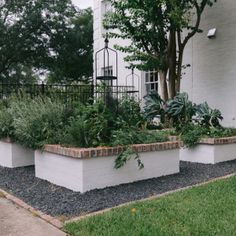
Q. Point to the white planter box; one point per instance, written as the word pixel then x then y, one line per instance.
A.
pixel 211 151
pixel 14 155
pixel 86 169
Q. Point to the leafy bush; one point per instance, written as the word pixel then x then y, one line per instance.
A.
pixel 207 116
pixel 154 107
pixel 129 112
pixel 91 127
pixel 37 121
pixel 133 136
pixel 6 124
pixel 192 134
pixel 181 110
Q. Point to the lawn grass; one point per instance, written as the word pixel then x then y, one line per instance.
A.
pixel 204 210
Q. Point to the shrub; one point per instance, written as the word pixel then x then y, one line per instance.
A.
pixel 181 110
pixel 133 136
pixel 91 127
pixel 154 107
pixel 6 124
pixel 37 121
pixel 129 112
pixel 192 134
pixel 207 116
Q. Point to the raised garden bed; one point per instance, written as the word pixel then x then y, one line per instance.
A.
pixel 81 169
pixel 14 155
pixel 211 151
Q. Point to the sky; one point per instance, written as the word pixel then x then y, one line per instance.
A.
pixel 83 3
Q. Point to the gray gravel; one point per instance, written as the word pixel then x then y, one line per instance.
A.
pixel 58 201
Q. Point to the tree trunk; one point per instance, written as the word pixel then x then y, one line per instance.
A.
pixel 163 85
pixel 172 63
pixel 179 71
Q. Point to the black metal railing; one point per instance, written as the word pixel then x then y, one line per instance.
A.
pixel 67 93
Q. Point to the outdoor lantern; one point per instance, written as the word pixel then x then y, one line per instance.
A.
pixel 211 33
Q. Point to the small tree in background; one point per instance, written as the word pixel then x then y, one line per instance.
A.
pixel 155 28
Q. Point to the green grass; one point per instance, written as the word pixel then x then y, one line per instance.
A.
pixel 205 210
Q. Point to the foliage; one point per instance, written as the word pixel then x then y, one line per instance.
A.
pixel 40 37
pixel 125 156
pixel 192 134
pixel 181 110
pixel 37 121
pixel 6 124
pixel 91 127
pixel 159 42
pixel 207 116
pixel 130 135
pixel 74 50
pixel 134 136
pixel 203 210
pixel 154 107
pixel 129 111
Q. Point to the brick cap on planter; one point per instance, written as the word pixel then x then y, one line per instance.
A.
pixel 218 141
pixel 83 153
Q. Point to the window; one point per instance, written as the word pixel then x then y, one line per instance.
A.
pixel 151 81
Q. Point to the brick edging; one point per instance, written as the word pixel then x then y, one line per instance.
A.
pixel 58 224
pixel 49 219
pixel 218 141
pixel 149 198
pixel 84 153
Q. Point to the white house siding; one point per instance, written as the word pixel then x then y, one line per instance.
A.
pixel 212 75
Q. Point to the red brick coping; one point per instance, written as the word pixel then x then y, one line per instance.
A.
pixel 218 141
pixel 83 153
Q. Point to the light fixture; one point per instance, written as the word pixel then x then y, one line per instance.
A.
pixel 211 33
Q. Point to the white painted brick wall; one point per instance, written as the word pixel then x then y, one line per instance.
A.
pixel 14 155
pixel 212 76
pixel 86 174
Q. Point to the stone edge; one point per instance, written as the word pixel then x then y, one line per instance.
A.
pixel 85 153
pixel 49 219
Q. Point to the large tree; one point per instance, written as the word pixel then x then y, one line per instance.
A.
pixel 44 35
pixel 159 31
pixel 74 50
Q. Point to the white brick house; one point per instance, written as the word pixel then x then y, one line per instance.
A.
pixel 212 75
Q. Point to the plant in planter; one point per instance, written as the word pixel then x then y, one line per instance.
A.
pixel 127 137
pixel 82 169
pixel 206 140
pixel 181 110
pixel 11 154
pixel 207 116
pixel 154 107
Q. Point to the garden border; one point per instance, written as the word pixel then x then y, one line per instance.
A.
pixel 210 151
pixel 96 165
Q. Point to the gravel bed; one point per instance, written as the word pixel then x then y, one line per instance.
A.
pixel 58 201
